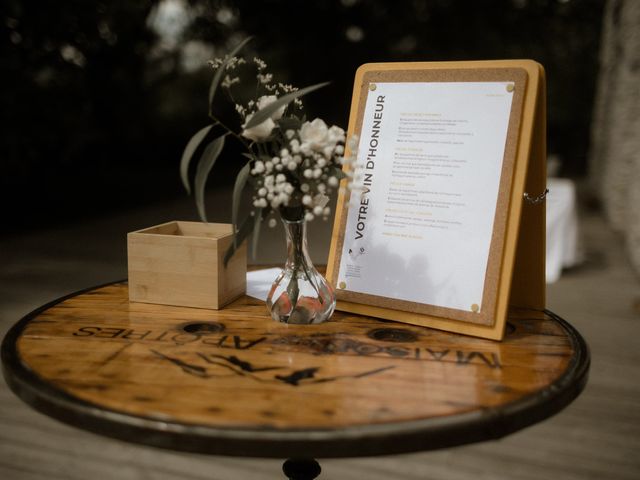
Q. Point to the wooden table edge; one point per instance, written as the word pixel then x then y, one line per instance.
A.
pixel 371 440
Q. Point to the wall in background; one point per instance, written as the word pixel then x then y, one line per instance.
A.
pixel 615 154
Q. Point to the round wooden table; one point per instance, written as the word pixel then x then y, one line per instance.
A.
pixel 233 382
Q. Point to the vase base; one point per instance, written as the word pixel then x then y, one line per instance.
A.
pixel 300 295
pixel 301 316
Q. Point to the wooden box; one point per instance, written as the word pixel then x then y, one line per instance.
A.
pixel 182 263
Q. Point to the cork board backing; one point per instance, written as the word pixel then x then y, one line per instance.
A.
pixel 489 322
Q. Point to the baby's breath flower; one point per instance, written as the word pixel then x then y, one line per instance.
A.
pixel 348 160
pixel 259 63
pixel 259 167
pixel 228 81
pixel 308 216
pixel 265 78
pixel 215 63
pixel 272 222
pixel 352 143
pixel 333 181
pixel 286 88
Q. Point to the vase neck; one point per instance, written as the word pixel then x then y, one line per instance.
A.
pixel 297 253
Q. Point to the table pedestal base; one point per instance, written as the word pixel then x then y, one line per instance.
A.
pixel 301 468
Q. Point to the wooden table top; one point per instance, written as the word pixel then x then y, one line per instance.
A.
pixel 235 382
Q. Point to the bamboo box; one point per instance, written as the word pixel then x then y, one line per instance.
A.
pixel 182 263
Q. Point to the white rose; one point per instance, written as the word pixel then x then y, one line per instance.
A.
pixel 260 131
pixel 315 134
pixel 266 100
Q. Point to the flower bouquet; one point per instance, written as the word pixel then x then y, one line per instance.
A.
pixel 292 166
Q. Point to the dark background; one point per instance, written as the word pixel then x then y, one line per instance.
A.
pixel 99 98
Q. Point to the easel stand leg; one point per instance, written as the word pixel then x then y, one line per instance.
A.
pixel 301 468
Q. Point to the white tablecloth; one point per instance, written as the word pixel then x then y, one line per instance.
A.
pixel 562 227
pixel 259 282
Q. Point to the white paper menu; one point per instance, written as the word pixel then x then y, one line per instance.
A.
pixel 421 211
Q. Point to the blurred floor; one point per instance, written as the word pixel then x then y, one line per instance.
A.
pixel 597 437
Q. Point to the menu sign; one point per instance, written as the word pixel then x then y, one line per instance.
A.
pixel 422 229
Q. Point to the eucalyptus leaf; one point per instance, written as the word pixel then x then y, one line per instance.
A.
pixel 189 150
pixel 245 230
pixel 289 123
pixel 208 159
pixel 241 181
pixel 221 69
pixel 338 173
pixel 261 115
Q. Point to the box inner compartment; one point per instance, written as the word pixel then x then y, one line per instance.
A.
pixel 191 229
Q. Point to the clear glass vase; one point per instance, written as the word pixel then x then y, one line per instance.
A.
pixel 300 295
